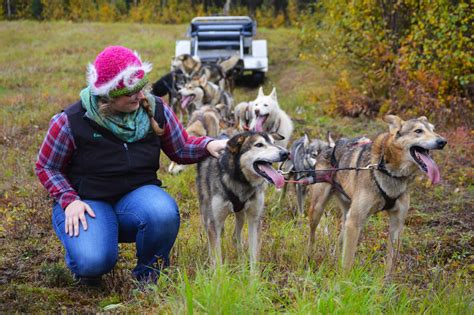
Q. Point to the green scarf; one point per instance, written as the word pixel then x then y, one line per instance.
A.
pixel 129 127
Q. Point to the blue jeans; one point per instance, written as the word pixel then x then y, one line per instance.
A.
pixel 147 216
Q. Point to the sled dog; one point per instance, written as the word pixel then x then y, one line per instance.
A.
pixel 244 116
pixel 270 118
pixel 303 157
pixel 235 183
pixel 199 92
pixel 394 158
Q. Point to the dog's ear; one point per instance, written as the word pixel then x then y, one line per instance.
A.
pixel 394 123
pixel 331 142
pixel 260 92
pixel 221 108
pixel 273 95
pixel 234 144
pixel 203 80
pixel 196 59
pixel 276 136
pixel 305 141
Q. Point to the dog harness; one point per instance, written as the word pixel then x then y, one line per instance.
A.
pixel 328 175
pixel 389 201
pixel 237 204
pixel 335 165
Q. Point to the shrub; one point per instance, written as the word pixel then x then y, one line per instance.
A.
pixel 413 56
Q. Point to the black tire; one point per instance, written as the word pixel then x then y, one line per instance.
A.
pixel 258 77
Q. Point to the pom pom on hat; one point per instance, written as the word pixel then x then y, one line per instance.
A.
pixel 117 71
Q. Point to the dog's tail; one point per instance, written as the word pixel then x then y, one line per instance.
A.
pixel 230 63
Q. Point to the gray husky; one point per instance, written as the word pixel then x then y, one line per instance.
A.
pixel 303 156
pixel 235 183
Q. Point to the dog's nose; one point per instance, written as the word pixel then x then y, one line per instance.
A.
pixel 257 112
pixel 284 155
pixel 441 143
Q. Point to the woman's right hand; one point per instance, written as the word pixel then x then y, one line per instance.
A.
pixel 75 212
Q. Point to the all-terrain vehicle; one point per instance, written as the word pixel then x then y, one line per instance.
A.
pixel 219 37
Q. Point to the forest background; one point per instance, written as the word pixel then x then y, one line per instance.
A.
pixel 410 55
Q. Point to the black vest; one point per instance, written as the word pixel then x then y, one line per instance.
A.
pixel 103 166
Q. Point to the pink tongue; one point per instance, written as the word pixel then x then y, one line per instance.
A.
pixel 259 123
pixel 186 100
pixel 433 170
pixel 276 177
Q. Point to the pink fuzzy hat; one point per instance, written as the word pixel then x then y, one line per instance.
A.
pixel 117 71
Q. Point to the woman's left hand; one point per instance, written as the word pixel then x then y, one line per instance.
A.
pixel 215 147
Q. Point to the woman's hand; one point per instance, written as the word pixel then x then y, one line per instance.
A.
pixel 75 212
pixel 215 147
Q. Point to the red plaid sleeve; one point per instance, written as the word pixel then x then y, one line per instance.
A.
pixel 178 145
pixel 55 153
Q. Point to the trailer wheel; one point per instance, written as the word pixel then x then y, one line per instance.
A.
pixel 258 77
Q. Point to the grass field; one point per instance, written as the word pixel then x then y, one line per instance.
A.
pixel 42 69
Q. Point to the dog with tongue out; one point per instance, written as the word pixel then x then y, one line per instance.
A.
pixel 381 180
pixel 235 183
pixel 269 117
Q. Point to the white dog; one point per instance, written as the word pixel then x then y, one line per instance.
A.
pixel 270 118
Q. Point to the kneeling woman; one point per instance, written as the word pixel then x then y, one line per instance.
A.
pixel 99 161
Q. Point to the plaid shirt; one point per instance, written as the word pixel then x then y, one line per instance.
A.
pixel 58 147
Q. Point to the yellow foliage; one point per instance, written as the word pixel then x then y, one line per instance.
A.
pixel 200 10
pixel 147 11
pixel 278 21
pixel 264 16
pixel 141 13
pixel 238 10
pixel 293 14
pixel 53 10
pixel 409 56
pixel 107 12
pixel 82 10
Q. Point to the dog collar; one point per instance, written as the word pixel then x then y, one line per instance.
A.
pixel 383 169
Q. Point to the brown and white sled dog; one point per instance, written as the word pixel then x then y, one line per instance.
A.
pixel 396 156
pixel 270 118
pixel 220 73
pixel 203 122
pixel 199 92
pixel 235 183
pixel 187 64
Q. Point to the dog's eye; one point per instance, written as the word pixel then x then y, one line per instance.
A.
pixel 419 131
pixel 259 145
pixel 266 105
